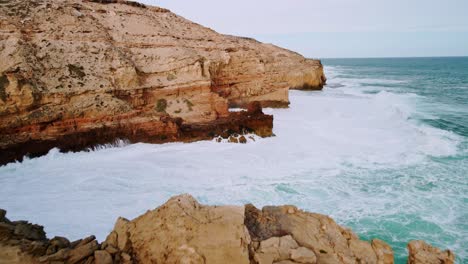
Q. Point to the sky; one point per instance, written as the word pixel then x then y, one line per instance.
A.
pixel 339 28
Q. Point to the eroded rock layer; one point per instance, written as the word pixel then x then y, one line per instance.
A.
pixel 184 231
pixel 93 71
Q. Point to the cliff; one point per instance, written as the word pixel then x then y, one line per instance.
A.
pixel 184 231
pixel 78 73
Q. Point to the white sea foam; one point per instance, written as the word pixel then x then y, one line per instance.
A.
pixel 325 146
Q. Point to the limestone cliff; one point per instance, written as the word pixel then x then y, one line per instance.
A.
pixel 76 73
pixel 184 231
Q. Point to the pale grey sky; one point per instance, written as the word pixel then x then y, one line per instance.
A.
pixel 323 28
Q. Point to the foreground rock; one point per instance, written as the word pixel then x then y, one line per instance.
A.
pixel 78 73
pixel 184 231
pixel 420 252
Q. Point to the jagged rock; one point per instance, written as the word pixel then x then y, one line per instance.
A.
pixel 422 253
pixel 183 225
pixel 29 231
pixel 58 243
pixel 3 216
pixel 330 242
pixel 383 252
pixel 102 257
pixel 84 241
pixel 275 249
pixel 82 252
pixel 61 255
pixel 81 73
pixel 184 231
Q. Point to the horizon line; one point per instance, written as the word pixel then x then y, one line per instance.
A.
pixel 395 57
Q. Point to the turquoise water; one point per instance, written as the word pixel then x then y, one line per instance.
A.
pixel 382 149
pixel 437 89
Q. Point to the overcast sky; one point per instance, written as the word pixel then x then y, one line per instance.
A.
pixel 339 28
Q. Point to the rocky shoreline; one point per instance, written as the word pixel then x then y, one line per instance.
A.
pixel 184 231
pixel 102 70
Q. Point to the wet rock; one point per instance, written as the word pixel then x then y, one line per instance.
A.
pixel 254 108
pixel 422 253
pixel 233 140
pixel 242 140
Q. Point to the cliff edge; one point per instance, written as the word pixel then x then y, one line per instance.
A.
pixel 184 231
pixel 78 73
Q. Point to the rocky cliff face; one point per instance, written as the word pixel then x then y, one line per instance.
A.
pixel 184 231
pixel 76 73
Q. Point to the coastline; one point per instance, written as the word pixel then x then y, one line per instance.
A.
pixel 184 231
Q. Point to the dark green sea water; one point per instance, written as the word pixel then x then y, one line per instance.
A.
pixel 436 92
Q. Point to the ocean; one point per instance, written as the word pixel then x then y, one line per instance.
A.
pixel 383 149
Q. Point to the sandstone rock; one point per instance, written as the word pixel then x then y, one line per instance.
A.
pixel 184 231
pixel 420 252
pixel 383 252
pixel 233 139
pixel 97 72
pixel 303 255
pixel 285 262
pixel 102 257
pixel 286 245
pixel 56 244
pixel 330 242
pixel 82 252
pixel 61 255
pixel 85 241
pixel 111 249
pixel 183 225
pixel 185 254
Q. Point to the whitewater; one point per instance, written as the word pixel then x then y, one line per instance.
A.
pixel 358 151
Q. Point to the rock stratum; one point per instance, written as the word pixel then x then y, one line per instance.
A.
pixel 74 74
pixel 183 231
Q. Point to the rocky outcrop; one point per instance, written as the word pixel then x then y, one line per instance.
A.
pixel 78 73
pixel 184 231
pixel 420 252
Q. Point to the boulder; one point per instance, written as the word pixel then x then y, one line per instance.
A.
pixel 102 257
pixel 422 253
pixel 242 140
pixel 82 252
pixel 303 255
